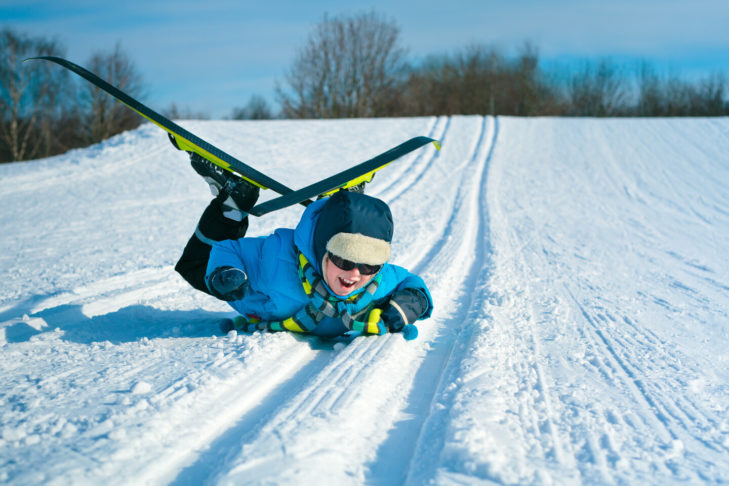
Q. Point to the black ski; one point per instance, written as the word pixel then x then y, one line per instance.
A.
pixel 187 141
pixel 341 179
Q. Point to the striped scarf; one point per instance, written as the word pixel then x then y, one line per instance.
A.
pixel 357 312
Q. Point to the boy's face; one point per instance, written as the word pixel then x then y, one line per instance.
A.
pixel 343 282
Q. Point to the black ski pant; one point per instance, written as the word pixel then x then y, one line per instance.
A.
pixel 213 226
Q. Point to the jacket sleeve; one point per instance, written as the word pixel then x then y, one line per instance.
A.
pixel 268 261
pixel 244 253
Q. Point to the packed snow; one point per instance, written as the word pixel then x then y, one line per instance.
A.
pixel 580 336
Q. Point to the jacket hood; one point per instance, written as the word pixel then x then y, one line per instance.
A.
pixel 355 226
pixel 304 233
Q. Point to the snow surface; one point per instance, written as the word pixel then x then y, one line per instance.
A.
pixel 580 334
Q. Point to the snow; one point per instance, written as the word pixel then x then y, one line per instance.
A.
pixel 580 336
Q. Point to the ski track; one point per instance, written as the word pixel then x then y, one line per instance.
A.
pixel 429 398
pixel 407 170
pixel 485 395
pixel 678 421
pixel 589 437
pixel 415 170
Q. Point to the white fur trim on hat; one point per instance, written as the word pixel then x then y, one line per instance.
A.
pixel 359 248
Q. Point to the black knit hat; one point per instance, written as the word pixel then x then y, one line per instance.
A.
pixel 356 227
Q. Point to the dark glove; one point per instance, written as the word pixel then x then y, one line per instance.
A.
pixel 228 283
pixel 402 310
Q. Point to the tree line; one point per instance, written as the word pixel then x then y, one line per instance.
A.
pixel 43 112
pixel 353 66
pixel 350 66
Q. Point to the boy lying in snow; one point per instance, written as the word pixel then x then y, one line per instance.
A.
pixel 328 277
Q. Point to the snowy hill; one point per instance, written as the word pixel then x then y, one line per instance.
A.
pixel 581 332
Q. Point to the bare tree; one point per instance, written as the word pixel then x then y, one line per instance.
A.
pixel 349 67
pixel 29 95
pixel 649 92
pixel 708 97
pixel 465 82
pixel 479 72
pixel 597 90
pixel 673 96
pixel 104 116
pixel 257 108
pixel 175 112
pixel 531 94
pixel 479 80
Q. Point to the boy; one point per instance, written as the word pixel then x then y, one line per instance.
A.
pixel 329 276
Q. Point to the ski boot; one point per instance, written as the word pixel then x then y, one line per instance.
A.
pixel 360 188
pixel 242 195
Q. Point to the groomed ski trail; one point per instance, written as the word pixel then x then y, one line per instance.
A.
pixel 458 261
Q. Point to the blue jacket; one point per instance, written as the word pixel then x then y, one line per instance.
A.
pixel 275 291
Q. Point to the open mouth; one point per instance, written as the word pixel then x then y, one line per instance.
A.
pixel 347 284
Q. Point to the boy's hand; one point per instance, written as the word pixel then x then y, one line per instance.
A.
pixel 404 307
pixel 228 283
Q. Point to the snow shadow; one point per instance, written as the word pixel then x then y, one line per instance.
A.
pixel 128 324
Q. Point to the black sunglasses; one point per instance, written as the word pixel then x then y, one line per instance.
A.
pixel 347 265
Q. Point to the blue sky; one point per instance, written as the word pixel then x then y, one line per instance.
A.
pixel 213 55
